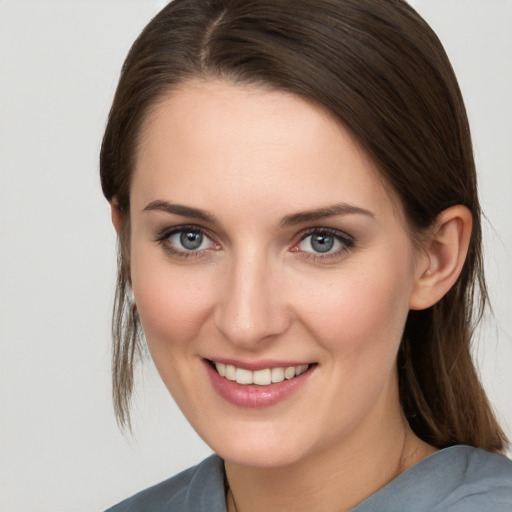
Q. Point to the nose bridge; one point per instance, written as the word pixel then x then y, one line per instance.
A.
pixel 251 309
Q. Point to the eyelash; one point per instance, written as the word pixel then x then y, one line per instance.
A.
pixel 163 239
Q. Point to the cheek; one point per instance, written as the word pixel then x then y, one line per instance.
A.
pixel 172 302
pixel 360 313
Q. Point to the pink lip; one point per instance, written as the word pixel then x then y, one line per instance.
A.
pixel 252 395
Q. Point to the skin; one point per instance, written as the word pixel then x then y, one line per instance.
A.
pixel 257 290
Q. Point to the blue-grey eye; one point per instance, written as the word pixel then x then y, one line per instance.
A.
pixel 191 240
pixel 321 242
pixel 187 240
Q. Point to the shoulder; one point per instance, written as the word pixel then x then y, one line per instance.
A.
pixel 456 479
pixel 482 481
pixel 195 489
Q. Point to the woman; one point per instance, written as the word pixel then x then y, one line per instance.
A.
pixel 295 196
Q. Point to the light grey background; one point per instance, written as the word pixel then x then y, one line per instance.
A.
pixel 60 449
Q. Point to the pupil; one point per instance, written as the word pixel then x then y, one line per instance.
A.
pixel 322 243
pixel 191 240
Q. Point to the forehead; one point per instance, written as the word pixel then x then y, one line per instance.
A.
pixel 243 141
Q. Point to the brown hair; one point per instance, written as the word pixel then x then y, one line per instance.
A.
pixel 378 67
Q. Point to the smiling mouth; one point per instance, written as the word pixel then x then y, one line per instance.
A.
pixel 264 377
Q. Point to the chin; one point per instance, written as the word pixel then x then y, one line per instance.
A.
pixel 258 457
pixel 263 449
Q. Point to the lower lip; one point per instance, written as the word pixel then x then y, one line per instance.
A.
pixel 252 395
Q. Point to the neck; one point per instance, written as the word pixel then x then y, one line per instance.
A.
pixel 334 480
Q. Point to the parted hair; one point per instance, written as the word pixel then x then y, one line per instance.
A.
pixel 380 69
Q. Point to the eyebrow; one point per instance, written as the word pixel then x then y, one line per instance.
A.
pixel 287 221
pixel 179 209
pixel 323 213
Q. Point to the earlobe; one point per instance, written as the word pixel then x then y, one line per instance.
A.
pixel 444 255
pixel 117 218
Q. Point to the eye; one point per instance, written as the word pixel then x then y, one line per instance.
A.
pixel 319 242
pixel 324 243
pixel 190 240
pixel 186 241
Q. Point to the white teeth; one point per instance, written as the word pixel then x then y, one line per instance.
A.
pixel 259 377
pixel 221 368
pixel 289 373
pixel 300 369
pixel 230 372
pixel 243 376
pixel 277 374
pixel 262 377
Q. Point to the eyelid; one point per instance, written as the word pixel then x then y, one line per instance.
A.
pixel 331 231
pixel 166 232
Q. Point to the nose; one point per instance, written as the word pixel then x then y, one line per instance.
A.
pixel 252 309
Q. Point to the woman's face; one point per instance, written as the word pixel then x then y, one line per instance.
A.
pixel 263 242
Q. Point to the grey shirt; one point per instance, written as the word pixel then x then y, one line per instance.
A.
pixel 456 479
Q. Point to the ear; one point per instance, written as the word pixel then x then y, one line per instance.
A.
pixel 117 218
pixel 445 251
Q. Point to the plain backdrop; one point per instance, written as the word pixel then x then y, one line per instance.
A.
pixel 60 449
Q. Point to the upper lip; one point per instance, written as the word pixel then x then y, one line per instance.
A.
pixel 261 364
